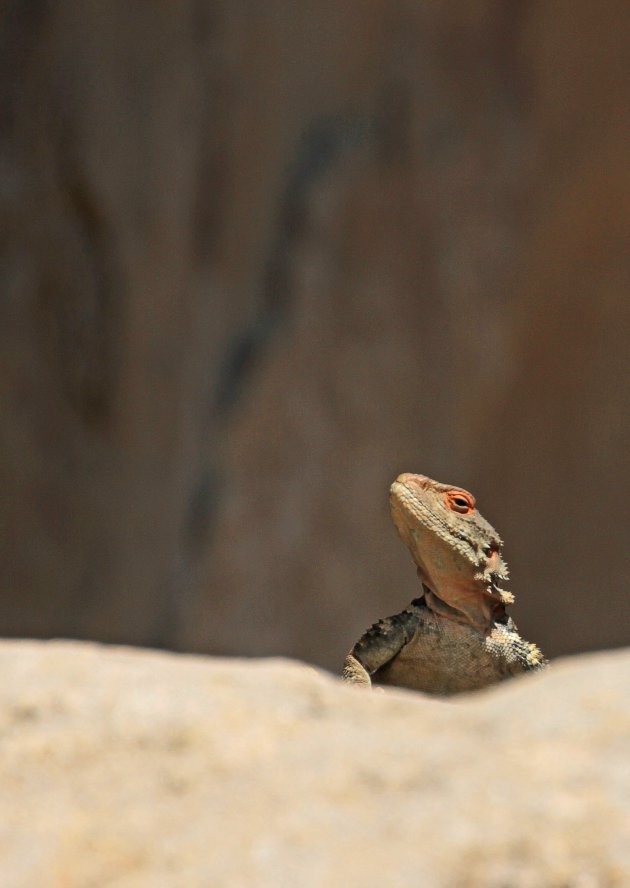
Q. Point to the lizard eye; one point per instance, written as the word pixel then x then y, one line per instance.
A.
pixel 460 501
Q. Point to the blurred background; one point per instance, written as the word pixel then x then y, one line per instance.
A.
pixel 259 258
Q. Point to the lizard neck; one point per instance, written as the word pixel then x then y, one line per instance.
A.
pixel 480 610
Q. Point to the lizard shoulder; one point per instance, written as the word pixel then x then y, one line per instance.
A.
pixel 385 638
pixel 505 643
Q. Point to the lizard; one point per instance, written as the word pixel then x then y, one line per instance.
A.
pixel 457 636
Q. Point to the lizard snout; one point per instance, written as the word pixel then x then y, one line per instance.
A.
pixel 409 479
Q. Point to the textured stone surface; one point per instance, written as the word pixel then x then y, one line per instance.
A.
pixel 257 259
pixel 129 769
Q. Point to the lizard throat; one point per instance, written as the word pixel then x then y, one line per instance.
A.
pixel 479 609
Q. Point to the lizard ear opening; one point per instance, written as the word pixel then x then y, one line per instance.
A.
pixel 460 501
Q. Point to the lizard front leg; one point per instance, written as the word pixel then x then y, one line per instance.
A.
pixel 355 672
pixel 379 645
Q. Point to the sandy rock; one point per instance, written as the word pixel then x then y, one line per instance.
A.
pixel 124 768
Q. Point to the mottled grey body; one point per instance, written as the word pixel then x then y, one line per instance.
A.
pixel 419 650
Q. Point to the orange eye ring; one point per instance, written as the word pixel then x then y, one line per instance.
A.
pixel 460 501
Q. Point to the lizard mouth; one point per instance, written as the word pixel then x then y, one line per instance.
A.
pixel 404 499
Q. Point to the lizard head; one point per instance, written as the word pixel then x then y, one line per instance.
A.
pixel 456 551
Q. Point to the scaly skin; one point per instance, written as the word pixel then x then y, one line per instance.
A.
pixel 457 637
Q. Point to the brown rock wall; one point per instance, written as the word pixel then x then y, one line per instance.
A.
pixel 260 258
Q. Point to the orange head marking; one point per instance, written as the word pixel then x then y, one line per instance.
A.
pixel 459 501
